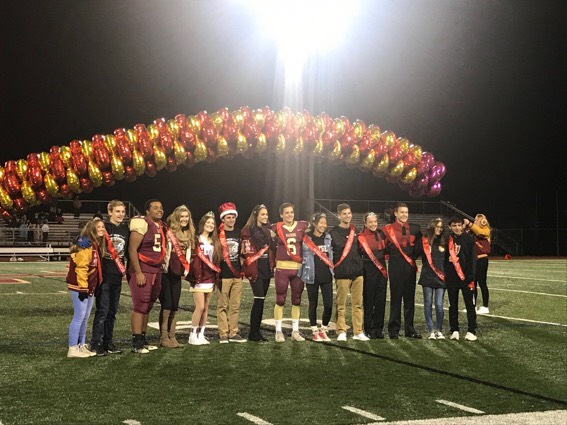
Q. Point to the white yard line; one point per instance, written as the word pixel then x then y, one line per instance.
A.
pixel 132 422
pixel 460 407
pixel 526 278
pixel 527 292
pixel 532 418
pixel 253 419
pixel 363 413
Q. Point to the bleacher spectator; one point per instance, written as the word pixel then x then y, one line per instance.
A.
pixel 77 205
pixel 44 232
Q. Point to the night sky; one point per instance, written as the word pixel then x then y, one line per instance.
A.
pixel 481 84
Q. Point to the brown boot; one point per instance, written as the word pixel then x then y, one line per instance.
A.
pixel 171 333
pixel 164 336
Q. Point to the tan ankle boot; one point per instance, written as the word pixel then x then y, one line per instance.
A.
pixel 171 333
pixel 164 336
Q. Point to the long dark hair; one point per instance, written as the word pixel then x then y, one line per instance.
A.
pixel 430 232
pixel 260 235
pixel 217 249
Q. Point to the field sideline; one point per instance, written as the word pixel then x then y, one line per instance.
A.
pixel 515 373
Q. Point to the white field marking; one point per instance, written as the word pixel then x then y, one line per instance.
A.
pixel 460 407
pixel 363 413
pixel 532 418
pixel 527 292
pixel 525 278
pixel 253 419
pixel 131 422
pixel 303 324
pixel 20 293
pixel 33 293
pixel 181 325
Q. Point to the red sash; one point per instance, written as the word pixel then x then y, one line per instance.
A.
pixel 178 251
pixel 255 257
pixel 114 255
pixel 206 260
pixel 322 256
pixel 375 261
pixel 390 234
pixel 348 246
pixel 225 255
pixel 294 257
pixel 455 259
pixel 149 260
pixel 427 251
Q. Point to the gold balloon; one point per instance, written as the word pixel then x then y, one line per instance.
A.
pixel 5 199
pixel 109 142
pixel 132 138
pixel 368 161
pixel 397 169
pixel 238 118
pixel 65 154
pixel 173 128
pixel 280 146
pixel 160 158
pixel 44 161
pixel 153 132
pixel 336 152
pixel 218 120
pixel 298 148
pixel 382 164
pixel 27 192
pixel 404 145
pixel 389 139
pixel 241 143
pixel 339 126
pixel 21 168
pixel 200 151
pixel 51 185
pixel 409 176
pixel 222 146
pixel 95 174
pixel 138 162
pixel 374 132
pixel 73 180
pixel 261 143
pixel 87 148
pixel 117 167
pixel 354 156
pixel 281 119
pixel 2 174
pixel 259 118
pixel 194 123
pixel 320 124
pixel 300 121
pixel 417 152
pixel 359 129
pixel 179 152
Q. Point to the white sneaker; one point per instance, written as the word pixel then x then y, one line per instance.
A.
pixel 455 335
pixel 470 337
pixel 464 310
pixel 75 352
pixel 360 337
pixel 84 348
pixel 194 339
pixel 280 337
pixel 342 337
pixel 203 340
pixel 439 335
pixel 296 336
pixel 432 336
pixel 483 310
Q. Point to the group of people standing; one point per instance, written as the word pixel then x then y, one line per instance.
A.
pixel 295 253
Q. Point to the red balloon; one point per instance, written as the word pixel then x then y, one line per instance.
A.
pixel 36 176
pixel 20 205
pixel 129 173
pixel 433 190
pixel 421 168
pixel 380 149
pixel 33 159
pixel 10 167
pixel 65 191
pixel 108 178
pixel 209 134
pixel 86 184
pixel 395 154
pixel 43 196
pixel 151 169
pixel 75 146
pixel 79 163
pixel 144 141
pixel 58 170
pixel 12 184
pixel 171 165
pixel 54 152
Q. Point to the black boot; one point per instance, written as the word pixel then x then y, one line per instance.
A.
pixel 256 321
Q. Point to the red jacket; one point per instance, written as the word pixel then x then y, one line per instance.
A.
pixel 249 250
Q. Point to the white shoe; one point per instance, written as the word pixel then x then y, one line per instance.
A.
pixel 296 336
pixel 342 337
pixel 455 335
pixel 470 337
pixel 360 337
pixel 439 335
pixel 75 352
pixel 280 337
pixel 464 310
pixel 432 336
pixel 84 348
pixel 194 339
pixel 482 310
pixel 203 340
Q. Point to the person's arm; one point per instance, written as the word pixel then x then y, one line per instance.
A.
pixel 134 243
pixel 82 260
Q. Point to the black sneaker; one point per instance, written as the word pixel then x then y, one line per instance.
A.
pixel 98 349
pixel 113 349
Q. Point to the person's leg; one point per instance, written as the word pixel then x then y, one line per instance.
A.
pixel 203 320
pixel 409 301
pixel 114 302
pixel 234 299
pixel 396 292
pixel 175 283
pixel 453 294
pixel 83 331
pixel 297 287
pixel 313 298
pixel 222 308
pixel 356 305
pixel 468 297
pixel 481 277
pixel 79 312
pixel 281 283
pixel 369 290
pixel 199 301
pixel 427 310
pixel 327 294
pixel 342 294
pixel 439 312
pixel 102 302
pixel 165 311
pixel 380 308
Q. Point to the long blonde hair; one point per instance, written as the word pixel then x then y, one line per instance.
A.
pixel 185 235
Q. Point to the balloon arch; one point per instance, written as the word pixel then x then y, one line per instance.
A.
pixel 127 154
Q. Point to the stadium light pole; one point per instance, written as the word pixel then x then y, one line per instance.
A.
pixel 302 29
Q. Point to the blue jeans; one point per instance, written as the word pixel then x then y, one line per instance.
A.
pixel 107 299
pixel 430 294
pixel 78 326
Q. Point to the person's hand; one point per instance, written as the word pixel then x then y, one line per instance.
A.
pixel 83 296
pixel 471 286
pixel 83 242
pixel 140 279
pixel 466 222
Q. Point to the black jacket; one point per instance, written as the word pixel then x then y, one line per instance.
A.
pixel 464 244
pixel 428 277
pixel 351 266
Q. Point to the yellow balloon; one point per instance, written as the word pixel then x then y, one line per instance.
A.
pixel 21 168
pixel 27 192
pixel 222 146
pixel 5 199
pixel 138 163
pixel 160 158
pixel 194 123
pixel 73 180
pixel 217 120
pixel 117 167
pixel 51 184
pixel 280 146
pixel 336 152
pixel 281 119
pixel 173 129
pixel 374 132
pixel 368 161
pixel 382 164
pixel 241 143
pixel 339 126
pixel 65 154
pixel 404 145
pixel 238 118
pixel 397 169
pixel 109 142
pixel 298 148
pixel 320 124
pixel 44 161
pixel 359 128
pixel 94 174
pixel 200 151
pixel 179 152
pixel 87 148
pixel 318 149
pixel 132 138
pixel 388 138
pixel 261 143
pixel 153 131
pixel 2 174
pixel 417 152
pixel 354 156
pixel 259 118
pixel 409 176
pixel 300 121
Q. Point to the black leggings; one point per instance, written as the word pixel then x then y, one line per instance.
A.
pixel 170 291
pixel 313 295
pixel 481 272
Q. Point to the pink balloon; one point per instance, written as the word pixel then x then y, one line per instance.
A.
pixel 421 182
pixel 428 159
pixel 421 168
pixel 433 190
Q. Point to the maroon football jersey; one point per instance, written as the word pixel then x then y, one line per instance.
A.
pixel 294 240
pixel 151 248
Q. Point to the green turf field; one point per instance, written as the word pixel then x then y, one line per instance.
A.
pixel 518 365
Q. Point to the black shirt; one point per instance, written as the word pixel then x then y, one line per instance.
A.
pixel 119 235
pixel 233 243
pixel 322 272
